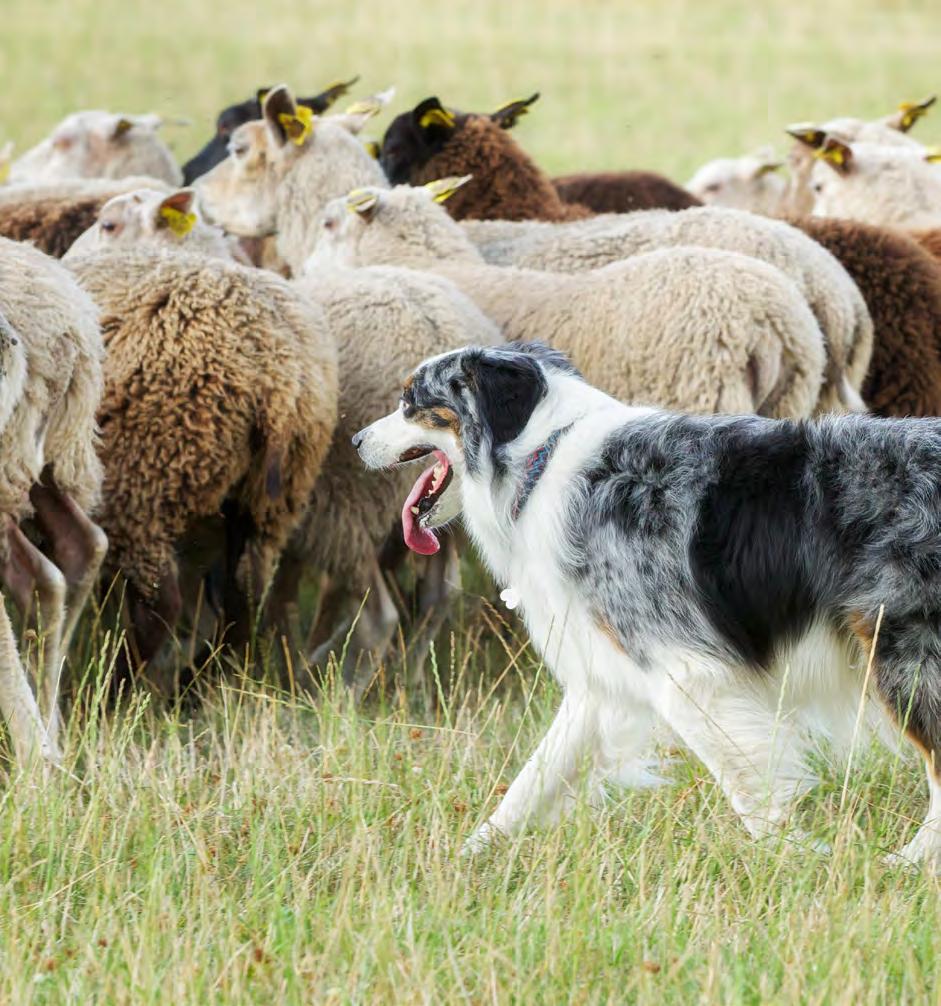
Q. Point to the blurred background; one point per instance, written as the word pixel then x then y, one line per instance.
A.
pixel 624 83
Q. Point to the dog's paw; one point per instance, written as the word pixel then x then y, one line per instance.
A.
pixel 923 850
pixel 481 840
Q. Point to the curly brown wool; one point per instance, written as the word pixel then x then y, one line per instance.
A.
pixel 901 284
pixel 220 384
pixel 623 191
pixel 50 223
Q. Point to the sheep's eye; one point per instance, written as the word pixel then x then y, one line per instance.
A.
pixel 239 149
pixel 109 226
pixel 330 224
pixel 713 187
pixel 818 188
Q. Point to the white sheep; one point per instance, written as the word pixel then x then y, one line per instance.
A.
pixel 686 328
pixel 832 295
pixel 152 216
pixel 49 468
pixel 282 169
pixel 755 182
pixel 98 144
pixel 887 186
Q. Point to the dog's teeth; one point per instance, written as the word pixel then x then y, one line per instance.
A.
pixel 415 510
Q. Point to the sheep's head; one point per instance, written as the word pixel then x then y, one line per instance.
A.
pixel 888 186
pixel 321 156
pixel 230 118
pixel 143 215
pixel 96 144
pixel 414 138
pixel 745 183
pixel 376 226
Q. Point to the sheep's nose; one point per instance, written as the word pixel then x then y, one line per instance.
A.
pixel 358 438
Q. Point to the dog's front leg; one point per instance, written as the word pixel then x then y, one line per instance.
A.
pixel 544 789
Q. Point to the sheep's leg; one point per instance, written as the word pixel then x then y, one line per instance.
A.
pixel 78 549
pixel 282 613
pixel 28 574
pixel 17 702
pixel 437 590
pixel 152 619
pixel 365 635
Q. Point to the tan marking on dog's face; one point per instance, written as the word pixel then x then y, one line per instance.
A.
pixel 438 417
pixel 862 629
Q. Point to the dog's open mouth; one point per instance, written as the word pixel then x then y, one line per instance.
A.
pixel 430 487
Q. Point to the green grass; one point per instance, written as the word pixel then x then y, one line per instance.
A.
pixel 262 847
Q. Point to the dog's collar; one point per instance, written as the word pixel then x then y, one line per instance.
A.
pixel 533 467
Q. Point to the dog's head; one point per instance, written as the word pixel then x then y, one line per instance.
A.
pixel 466 408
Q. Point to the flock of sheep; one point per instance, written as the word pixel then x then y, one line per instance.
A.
pixel 178 393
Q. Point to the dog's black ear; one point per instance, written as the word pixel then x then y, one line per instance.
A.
pixel 506 387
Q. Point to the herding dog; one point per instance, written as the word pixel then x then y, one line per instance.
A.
pixel 730 574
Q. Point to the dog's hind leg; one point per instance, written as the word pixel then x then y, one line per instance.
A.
pixel 754 751
pixel 912 693
pixel 545 788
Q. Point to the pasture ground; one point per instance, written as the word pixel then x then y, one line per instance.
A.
pixel 259 846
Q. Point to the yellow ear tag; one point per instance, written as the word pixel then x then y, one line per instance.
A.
pixel 362 201
pixel 436 117
pixel 933 155
pixel 834 155
pixel 178 222
pixel 299 125
pixel 372 148
pixel 443 188
pixel 368 107
pixel 4 171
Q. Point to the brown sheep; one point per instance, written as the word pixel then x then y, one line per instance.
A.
pixel 220 397
pixel 623 191
pixel 433 142
pixel 901 285
pixel 930 240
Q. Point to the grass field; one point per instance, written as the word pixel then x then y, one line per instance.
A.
pixel 259 846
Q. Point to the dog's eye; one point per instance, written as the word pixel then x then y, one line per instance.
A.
pixel 456 385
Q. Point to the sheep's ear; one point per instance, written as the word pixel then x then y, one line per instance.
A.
pixel 364 203
pixel 433 119
pixel 766 168
pixel 328 96
pixel 507 115
pixel 360 112
pixel 909 113
pixel 932 156
pixel 122 125
pixel 807 133
pixel 176 212
pixel 837 154
pixel 286 121
pixel 444 188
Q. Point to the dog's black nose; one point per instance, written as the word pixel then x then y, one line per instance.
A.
pixel 358 438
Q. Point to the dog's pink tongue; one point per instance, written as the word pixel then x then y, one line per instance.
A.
pixel 419 539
